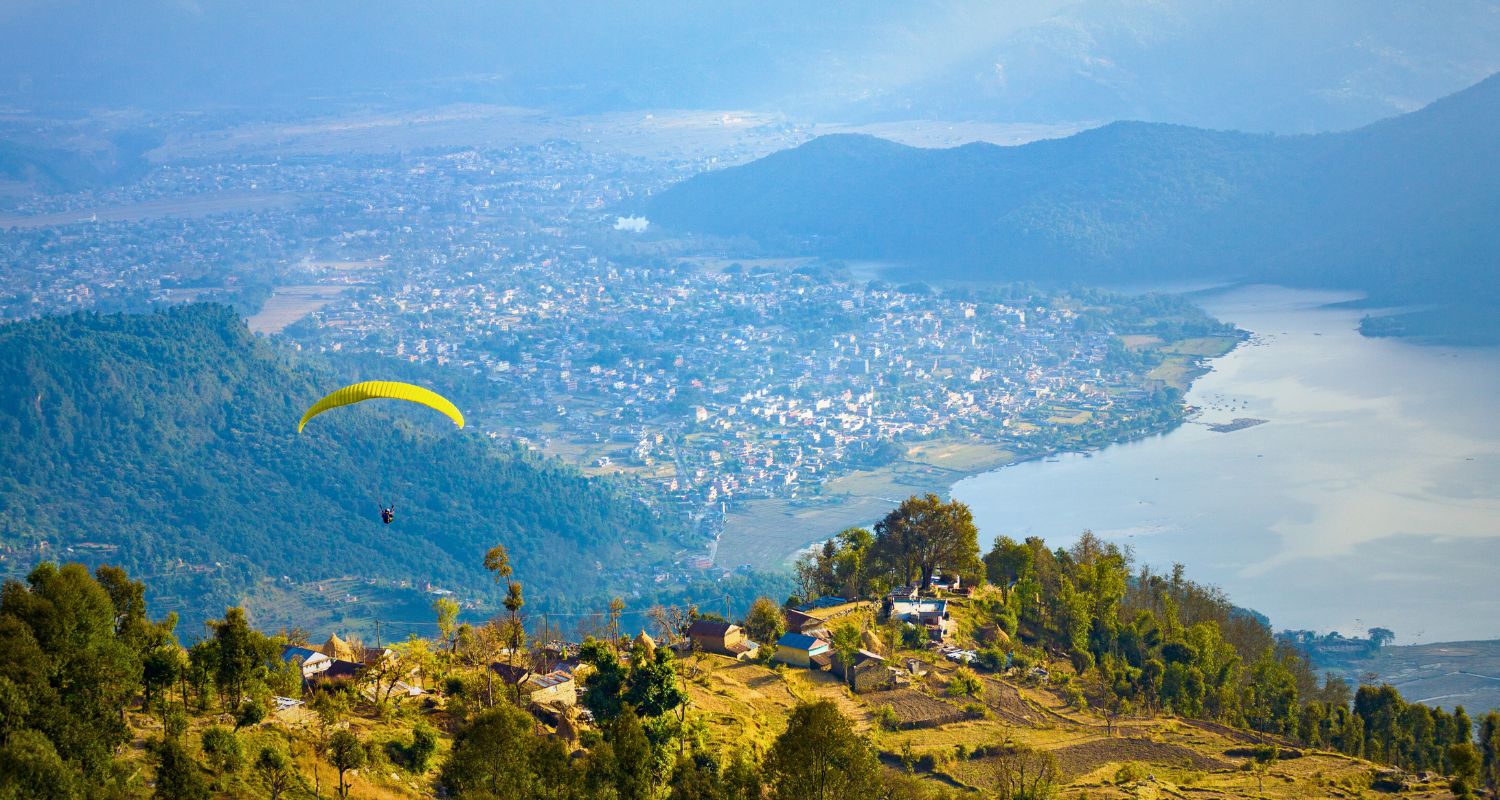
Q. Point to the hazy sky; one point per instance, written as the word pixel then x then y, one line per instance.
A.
pixel 1225 63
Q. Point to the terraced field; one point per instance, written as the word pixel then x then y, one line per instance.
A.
pixel 744 704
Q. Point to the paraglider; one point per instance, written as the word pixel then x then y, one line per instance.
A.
pixel 394 390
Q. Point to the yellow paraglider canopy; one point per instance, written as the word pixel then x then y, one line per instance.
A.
pixel 394 390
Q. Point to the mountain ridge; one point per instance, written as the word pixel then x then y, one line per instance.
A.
pixel 1397 208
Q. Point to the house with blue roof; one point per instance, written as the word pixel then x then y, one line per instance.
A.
pixel 801 650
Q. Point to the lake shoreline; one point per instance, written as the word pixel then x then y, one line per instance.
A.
pixel 763 535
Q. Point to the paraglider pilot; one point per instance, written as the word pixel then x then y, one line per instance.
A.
pixel 387 514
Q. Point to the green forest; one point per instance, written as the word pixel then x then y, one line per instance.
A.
pixel 166 443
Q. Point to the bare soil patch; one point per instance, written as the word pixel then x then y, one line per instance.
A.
pixel 914 709
pixel 1080 759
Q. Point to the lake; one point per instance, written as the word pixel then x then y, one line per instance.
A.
pixel 1370 496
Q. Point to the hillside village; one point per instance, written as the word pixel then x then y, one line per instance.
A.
pixel 1062 671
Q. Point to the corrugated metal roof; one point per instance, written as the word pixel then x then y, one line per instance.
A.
pixel 550 679
pixel 800 641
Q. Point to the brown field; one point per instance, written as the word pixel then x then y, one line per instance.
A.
pixel 914 709
pixel 290 303
pixel 1136 341
pixel 1445 674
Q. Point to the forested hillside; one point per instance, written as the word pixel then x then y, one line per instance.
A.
pixel 167 443
pixel 1396 208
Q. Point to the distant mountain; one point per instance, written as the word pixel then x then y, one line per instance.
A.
pixel 1302 67
pixel 1296 67
pixel 1402 208
pixel 167 443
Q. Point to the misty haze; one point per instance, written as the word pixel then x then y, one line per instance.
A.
pixel 1046 399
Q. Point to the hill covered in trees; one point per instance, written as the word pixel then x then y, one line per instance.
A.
pixel 1398 208
pixel 167 443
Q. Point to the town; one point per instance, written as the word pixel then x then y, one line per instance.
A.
pixel 706 380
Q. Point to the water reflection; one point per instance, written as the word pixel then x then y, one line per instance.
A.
pixel 1368 497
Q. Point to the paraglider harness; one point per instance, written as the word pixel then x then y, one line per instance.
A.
pixel 387 514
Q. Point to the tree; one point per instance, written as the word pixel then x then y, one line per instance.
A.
pixel 1271 696
pixel 851 562
pixel 649 685
pixel 177 775
pixel 330 706
pixel 846 645
pixel 161 669
pixel 1489 750
pixel 924 535
pixel 741 778
pixel 61 653
pixel 223 750
pixel 765 623
pixel 820 757
pixel 345 752
pixel 635 771
pixel 1380 710
pixel 515 631
pixel 652 688
pixel 1465 764
pixel 243 653
pixel 616 608
pixel 203 662
pixel 497 561
pixel 275 770
pixel 694 779
pixel 497 756
pixel 604 686
pixel 1380 637
pixel 1026 774
pixel 447 622
pixel 1005 564
pixel 30 767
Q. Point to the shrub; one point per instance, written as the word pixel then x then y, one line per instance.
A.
pixel 885 716
pixel 1130 772
pixel 251 713
pixel 992 658
pixel 965 684
pixel 423 745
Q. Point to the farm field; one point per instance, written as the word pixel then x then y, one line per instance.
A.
pixel 288 304
pixel 939 741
